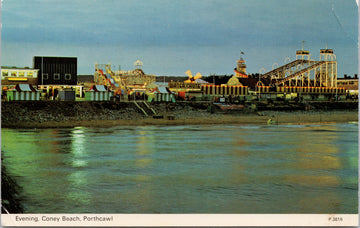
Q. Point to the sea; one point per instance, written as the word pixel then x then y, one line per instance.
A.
pixel 250 169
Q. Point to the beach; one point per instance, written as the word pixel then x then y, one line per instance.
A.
pixel 107 114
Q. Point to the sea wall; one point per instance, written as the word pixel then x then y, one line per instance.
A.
pixel 42 111
pixel 42 114
pixel 61 111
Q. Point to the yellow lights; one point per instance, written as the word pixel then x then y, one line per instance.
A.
pixel 312 89
pixel 224 90
pixel 192 78
pixel 243 90
pixel 17 79
pixel 207 86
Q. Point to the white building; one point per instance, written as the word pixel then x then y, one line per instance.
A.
pixel 12 75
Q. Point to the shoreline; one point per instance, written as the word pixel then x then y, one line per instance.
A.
pixel 56 114
pixel 261 118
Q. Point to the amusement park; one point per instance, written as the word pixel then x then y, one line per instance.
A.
pixel 302 79
pixel 299 81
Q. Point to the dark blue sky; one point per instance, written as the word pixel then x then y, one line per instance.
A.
pixel 173 36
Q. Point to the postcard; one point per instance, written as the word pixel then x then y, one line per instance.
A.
pixel 179 113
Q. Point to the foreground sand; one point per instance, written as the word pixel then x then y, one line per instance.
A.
pixel 261 118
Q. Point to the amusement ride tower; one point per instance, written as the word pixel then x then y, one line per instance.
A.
pixel 240 70
pixel 328 71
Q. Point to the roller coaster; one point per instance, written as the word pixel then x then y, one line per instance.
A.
pixel 306 72
pixel 302 77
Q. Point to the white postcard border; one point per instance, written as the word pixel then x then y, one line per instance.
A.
pixel 145 220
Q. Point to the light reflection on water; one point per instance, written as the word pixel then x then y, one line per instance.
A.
pixel 186 169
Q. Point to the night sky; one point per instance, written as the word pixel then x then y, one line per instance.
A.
pixel 173 36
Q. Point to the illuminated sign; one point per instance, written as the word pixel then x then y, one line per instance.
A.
pixel 17 79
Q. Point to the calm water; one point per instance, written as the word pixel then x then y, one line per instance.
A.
pixel 186 169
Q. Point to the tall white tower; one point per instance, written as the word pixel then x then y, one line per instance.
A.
pixel 328 71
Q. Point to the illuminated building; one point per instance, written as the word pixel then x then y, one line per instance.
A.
pixel 10 76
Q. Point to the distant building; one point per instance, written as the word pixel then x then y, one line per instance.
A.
pixel 85 79
pixel 56 70
pixel 348 82
pixel 11 76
